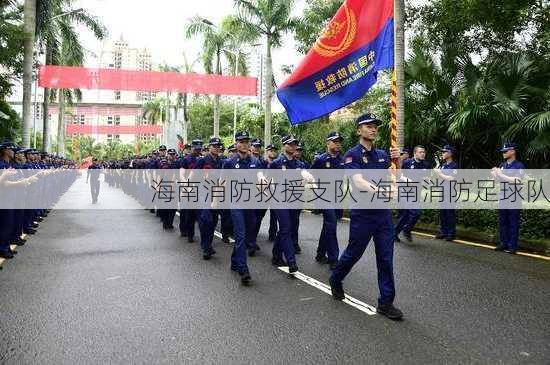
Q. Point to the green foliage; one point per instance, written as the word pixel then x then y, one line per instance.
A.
pixel 316 15
pixel 11 51
pixel 535 224
pixel 9 122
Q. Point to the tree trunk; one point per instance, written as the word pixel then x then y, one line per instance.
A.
pixel 268 92
pixel 217 98
pixel 28 63
pixel 185 119
pixel 61 124
pixel 46 107
pixel 399 19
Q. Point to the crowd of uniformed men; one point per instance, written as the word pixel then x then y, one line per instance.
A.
pixel 243 225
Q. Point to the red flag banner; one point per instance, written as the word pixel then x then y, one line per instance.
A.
pixel 65 77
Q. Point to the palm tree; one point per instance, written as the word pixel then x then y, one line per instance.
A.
pixel 54 23
pixel 153 111
pixel 270 19
pixel 28 63
pixel 215 40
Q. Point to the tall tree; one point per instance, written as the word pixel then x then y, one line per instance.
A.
pixel 270 19
pixel 215 40
pixel 28 63
pixel 55 23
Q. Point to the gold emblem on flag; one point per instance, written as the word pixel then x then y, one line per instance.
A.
pixel 338 34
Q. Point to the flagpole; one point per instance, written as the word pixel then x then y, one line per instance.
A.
pixel 398 79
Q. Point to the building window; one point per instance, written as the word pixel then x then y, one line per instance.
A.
pixel 117 119
pixel 117 95
pixel 109 120
pixel 117 136
pixel 109 138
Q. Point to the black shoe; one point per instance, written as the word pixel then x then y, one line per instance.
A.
pixel 245 278
pixel 207 255
pixel 500 248
pixel 408 236
pixel 6 255
pixel 167 226
pixel 278 262
pixel 34 225
pixel 152 211
pixel 225 239
pixel 440 236
pixel 511 252
pixel 29 231
pixel 292 268
pixel 13 251
pixel 234 268
pixel 450 238
pixel 271 238
pixel 297 249
pixel 321 259
pixel 190 240
pixel 39 219
pixel 337 290
pixel 396 239
pixel 183 234
pixel 332 265
pixel 389 311
pixel 251 252
pixel 20 242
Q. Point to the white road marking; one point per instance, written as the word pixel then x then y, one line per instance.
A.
pixel 113 278
pixel 363 307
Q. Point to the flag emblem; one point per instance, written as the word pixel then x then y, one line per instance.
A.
pixel 338 34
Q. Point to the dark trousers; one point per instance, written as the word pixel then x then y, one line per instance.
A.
pixel 208 220
pixel 226 222
pixel 364 226
pixel 447 220
pixel 406 220
pixel 284 243
pixel 94 189
pixel 272 224
pixel 328 241
pixel 244 229
pixel 188 217
pixel 7 219
pixel 508 226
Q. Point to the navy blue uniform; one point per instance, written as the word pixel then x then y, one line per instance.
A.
pixel 366 224
pixel 407 218
pixel 244 220
pixel 509 219
pixel 288 219
pixel 188 217
pixel 93 175
pixel 208 218
pixel 447 217
pixel 7 220
pixel 328 240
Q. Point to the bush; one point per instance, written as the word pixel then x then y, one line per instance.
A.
pixel 535 224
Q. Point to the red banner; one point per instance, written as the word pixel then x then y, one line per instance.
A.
pixel 113 129
pixel 64 77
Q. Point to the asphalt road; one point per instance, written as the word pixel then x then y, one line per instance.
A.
pixel 112 287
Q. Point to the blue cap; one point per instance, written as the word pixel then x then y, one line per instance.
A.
pixel 231 148
pixel 271 147
pixel 289 140
pixel 162 148
pixel 334 136
pixel 214 141
pixel 448 148
pixel 300 147
pixel 172 151
pixel 508 147
pixel 367 119
pixel 256 142
pixel 7 145
pixel 405 150
pixel 196 143
pixel 241 136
